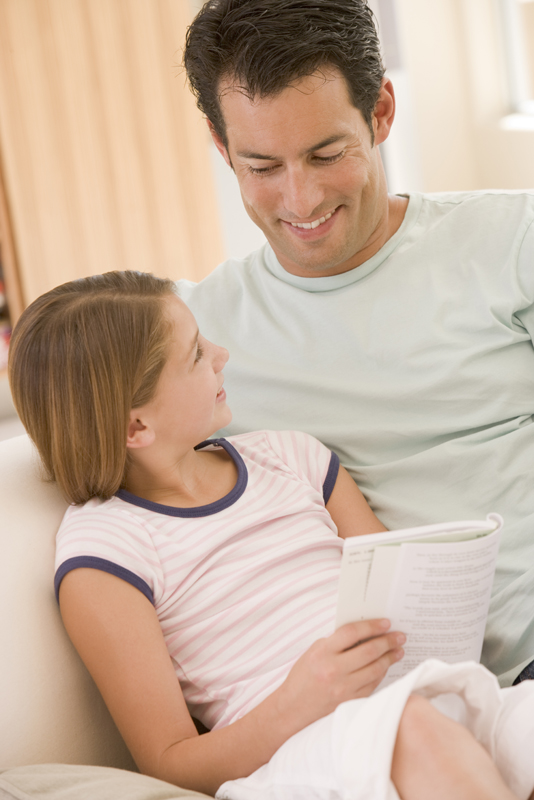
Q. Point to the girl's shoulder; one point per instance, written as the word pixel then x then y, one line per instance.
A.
pixel 97 513
pixel 270 438
pixel 95 507
pixel 300 452
pixel 106 535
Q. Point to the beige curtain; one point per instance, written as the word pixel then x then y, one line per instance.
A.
pixel 105 157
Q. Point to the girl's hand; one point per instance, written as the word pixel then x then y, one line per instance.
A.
pixel 348 664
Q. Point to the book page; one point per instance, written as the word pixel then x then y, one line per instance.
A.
pixel 441 531
pixel 381 581
pixel 439 599
pixel 353 584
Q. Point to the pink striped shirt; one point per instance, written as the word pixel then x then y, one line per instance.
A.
pixel 242 586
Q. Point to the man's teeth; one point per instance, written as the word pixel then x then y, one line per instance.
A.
pixel 314 224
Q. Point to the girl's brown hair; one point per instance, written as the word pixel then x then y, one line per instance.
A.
pixel 80 358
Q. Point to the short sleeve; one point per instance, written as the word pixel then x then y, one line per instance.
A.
pixel 308 458
pixel 101 535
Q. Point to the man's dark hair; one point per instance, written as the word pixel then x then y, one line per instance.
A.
pixel 262 46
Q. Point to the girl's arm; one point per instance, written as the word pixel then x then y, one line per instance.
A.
pixel 117 634
pixel 349 508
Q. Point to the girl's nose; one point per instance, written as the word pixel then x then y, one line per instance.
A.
pixel 221 357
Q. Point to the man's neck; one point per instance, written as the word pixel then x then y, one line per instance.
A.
pixel 397 207
pixel 395 211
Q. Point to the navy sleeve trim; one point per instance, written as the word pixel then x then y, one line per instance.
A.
pixel 331 477
pixel 92 562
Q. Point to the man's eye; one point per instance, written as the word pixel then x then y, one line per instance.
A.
pixel 200 353
pixel 323 160
pixel 330 159
pixel 261 170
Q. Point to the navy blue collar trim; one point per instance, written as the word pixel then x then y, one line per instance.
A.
pixel 198 511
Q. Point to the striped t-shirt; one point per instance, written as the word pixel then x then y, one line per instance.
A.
pixel 242 586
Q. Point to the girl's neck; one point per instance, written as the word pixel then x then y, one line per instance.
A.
pixel 194 479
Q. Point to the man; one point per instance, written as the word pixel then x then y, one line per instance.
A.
pixel 396 330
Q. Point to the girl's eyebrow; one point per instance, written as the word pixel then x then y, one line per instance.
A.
pixel 195 340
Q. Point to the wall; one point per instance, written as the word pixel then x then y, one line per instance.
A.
pixel 453 54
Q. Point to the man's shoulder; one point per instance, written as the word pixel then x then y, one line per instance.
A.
pixel 495 220
pixel 226 279
pixel 484 199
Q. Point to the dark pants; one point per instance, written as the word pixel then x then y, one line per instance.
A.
pixel 526 674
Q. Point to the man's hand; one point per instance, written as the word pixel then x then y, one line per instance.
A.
pixel 346 665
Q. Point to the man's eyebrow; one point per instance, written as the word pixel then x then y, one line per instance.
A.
pixel 324 143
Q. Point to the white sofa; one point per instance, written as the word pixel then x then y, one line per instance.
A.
pixel 50 710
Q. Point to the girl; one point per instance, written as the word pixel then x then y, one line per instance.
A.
pixel 200 576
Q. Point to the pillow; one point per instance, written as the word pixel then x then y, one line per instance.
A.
pixel 71 782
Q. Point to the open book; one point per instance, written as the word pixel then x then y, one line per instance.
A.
pixel 433 583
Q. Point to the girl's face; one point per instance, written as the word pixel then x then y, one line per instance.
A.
pixel 190 403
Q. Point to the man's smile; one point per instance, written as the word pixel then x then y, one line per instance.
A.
pixel 315 223
pixel 314 229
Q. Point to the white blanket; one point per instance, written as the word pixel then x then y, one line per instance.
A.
pixel 347 755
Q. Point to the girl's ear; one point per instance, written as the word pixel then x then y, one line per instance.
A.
pixel 139 433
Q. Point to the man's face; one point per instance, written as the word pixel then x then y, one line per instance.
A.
pixel 308 173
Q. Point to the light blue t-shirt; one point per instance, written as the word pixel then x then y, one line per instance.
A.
pixel 417 368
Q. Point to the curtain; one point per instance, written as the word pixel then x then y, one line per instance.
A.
pixel 105 157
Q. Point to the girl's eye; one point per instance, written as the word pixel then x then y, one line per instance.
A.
pixel 200 353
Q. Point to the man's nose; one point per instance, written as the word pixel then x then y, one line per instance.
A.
pixel 303 193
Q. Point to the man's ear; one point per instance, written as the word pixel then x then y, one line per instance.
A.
pixel 219 144
pixel 139 434
pixel 384 112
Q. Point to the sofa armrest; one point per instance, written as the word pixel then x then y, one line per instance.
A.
pixel 51 709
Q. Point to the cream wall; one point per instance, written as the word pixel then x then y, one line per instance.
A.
pixel 453 54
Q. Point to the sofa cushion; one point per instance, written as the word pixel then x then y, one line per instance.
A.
pixel 68 782
pixel 51 710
